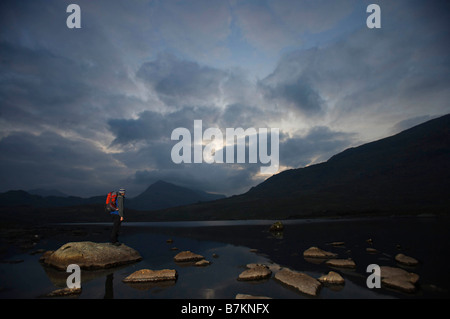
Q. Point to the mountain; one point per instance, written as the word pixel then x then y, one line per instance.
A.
pixel 46 192
pixel 22 198
pixel 159 195
pixel 406 173
pixel 162 195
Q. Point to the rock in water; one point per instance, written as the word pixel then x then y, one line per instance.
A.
pixel 332 278
pixel 398 278
pixel 303 282
pixel 276 227
pixel 406 260
pixel 186 256
pixel 341 263
pixel 64 292
pixel 147 275
pixel 314 252
pixel 255 272
pixel 90 255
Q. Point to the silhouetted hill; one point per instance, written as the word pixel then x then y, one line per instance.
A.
pixel 164 195
pixel 405 173
pixel 46 192
pixel 21 198
pixel 159 195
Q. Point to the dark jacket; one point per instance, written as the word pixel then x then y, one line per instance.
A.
pixel 119 205
pixel 120 200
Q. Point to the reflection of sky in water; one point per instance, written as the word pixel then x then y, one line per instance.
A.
pixel 29 279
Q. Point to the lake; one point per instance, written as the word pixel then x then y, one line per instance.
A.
pixel 229 246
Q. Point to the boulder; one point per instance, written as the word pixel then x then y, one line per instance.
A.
pixel 186 256
pixel 406 260
pixel 332 278
pixel 398 278
pixel 255 272
pixel 301 281
pixel 90 255
pixel 147 275
pixel 314 252
pixel 341 263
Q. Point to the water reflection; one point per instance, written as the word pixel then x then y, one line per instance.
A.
pixel 109 287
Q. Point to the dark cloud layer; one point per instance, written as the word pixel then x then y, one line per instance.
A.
pixel 87 110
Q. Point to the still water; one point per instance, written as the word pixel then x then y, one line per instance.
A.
pixel 229 246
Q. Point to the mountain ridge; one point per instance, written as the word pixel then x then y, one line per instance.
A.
pixel 156 196
pixel 408 172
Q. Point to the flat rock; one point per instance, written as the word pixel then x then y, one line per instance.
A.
pixel 332 278
pixel 371 250
pixel 255 272
pixel 398 278
pixel 301 281
pixel 202 263
pixel 90 255
pixel 185 256
pixel 315 252
pixel 148 275
pixel 341 263
pixel 406 260
pixel 64 292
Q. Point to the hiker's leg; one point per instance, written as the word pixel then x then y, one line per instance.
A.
pixel 115 228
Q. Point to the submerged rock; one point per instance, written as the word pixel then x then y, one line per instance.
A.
pixel 315 252
pixel 398 278
pixel 90 255
pixel 148 275
pixel 303 282
pixel 255 272
pixel 186 256
pixel 406 260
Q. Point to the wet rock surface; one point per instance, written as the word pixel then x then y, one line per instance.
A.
pixel 255 272
pixel 148 275
pixel 301 281
pixel 398 278
pixel 187 256
pixel 315 252
pixel 332 278
pixel 406 260
pixel 90 255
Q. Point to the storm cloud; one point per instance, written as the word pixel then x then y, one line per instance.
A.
pixel 92 109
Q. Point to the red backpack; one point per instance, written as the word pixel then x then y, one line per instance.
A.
pixel 111 202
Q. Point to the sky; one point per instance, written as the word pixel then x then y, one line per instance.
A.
pixel 92 109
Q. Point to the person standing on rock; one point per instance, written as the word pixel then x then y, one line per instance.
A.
pixel 117 217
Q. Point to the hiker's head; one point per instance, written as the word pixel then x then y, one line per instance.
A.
pixel 122 191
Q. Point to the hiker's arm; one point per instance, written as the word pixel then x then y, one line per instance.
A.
pixel 120 206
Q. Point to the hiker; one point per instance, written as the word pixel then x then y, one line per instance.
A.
pixel 117 216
